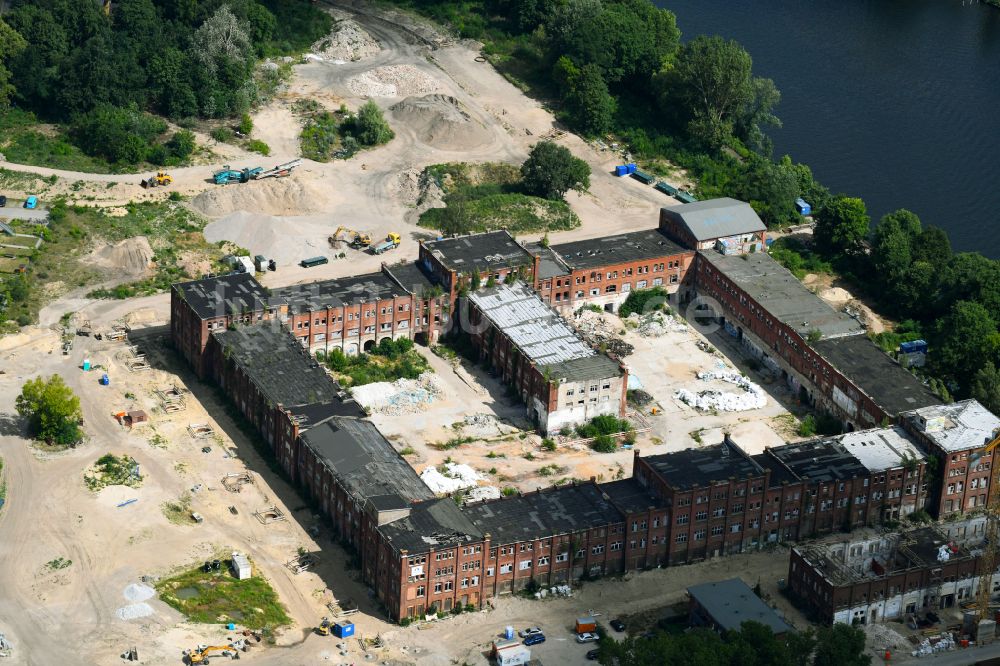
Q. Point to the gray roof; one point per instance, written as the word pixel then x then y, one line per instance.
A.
pixel 223 294
pixel 486 251
pixel 598 366
pixel 880 449
pixel 338 292
pixel 628 496
pixel 411 277
pixel 611 250
pixel 437 524
pixel 890 385
pixel 549 264
pixel 822 460
pixel 546 513
pixel 704 466
pixel 731 602
pixel 960 426
pixel 716 218
pixel 275 361
pixel 782 295
pixel 364 461
pixel 541 334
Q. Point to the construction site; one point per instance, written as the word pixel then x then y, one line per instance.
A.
pixel 268 512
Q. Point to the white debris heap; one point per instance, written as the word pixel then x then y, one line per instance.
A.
pixel 451 477
pixel 753 398
pixel 403 396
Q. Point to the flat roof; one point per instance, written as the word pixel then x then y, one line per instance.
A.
pixel 704 466
pixel 782 295
pixel 545 513
pixel 541 334
pixel 275 361
pixel 411 277
pixel 549 264
pixel 821 460
pixel 223 294
pixel 437 523
pixel 629 496
pixel 717 218
pixel 890 385
pixel 364 460
pixel 485 251
pixel 960 426
pixel 731 602
pixel 880 449
pixel 598 366
pixel 618 249
pixel 337 292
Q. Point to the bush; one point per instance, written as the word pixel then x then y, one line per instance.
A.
pixel 246 124
pixel 644 301
pixel 182 144
pixel 258 146
pixel 604 444
pixel 370 126
pixel 603 425
pixel 548 444
pixel 807 427
pixel 222 134
pixel 116 134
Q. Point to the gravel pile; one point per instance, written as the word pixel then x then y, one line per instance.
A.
pixel 440 121
pixel 134 611
pixel 657 324
pixel 347 41
pixel 138 592
pixel 392 81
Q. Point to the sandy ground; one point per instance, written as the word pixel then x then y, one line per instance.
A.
pixel 462 110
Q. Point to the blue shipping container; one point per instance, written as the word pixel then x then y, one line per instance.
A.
pixel 803 207
pixel 343 629
pixel 631 167
pixel 621 170
pixel 914 347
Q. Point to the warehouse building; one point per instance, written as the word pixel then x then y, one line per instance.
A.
pixel 562 381
pixel 725 605
pixel 725 225
pixel 451 262
pixel 957 435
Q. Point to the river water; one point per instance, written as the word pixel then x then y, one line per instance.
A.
pixel 895 101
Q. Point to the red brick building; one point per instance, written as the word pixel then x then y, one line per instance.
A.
pixel 956 435
pixel 493 255
pixel 562 381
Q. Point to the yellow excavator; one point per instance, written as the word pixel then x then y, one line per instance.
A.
pixel 324 627
pixel 161 179
pixel 201 654
pixel 358 239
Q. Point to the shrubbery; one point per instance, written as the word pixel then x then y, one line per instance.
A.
pixel 388 361
pixel 643 301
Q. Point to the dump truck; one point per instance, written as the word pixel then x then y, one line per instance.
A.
pixel 390 243
pixel 228 175
pixel 161 179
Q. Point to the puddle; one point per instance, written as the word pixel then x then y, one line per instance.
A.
pixel 186 593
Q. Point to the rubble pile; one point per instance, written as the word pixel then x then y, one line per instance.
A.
pixel 656 324
pixel 403 396
pixel 598 332
pixel 711 399
pixel 451 477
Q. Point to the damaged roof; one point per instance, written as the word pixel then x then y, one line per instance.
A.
pixel 485 251
pixel 436 524
pixel 224 294
pixel 619 249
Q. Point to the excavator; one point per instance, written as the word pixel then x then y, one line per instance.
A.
pixel 161 179
pixel 358 239
pixel 201 654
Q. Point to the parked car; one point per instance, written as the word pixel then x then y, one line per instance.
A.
pixel 3 201
pixel 31 202
pixel 617 625
pixel 586 637
pixel 530 631
pixel 534 639
pixel 592 655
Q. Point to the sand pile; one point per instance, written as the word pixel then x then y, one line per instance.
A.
pixel 272 196
pixel 138 592
pixel 392 81
pixel 347 41
pixel 134 611
pixel 287 240
pixel 132 256
pixel 440 121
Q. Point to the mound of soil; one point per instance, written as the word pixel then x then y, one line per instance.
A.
pixel 347 41
pixel 272 196
pixel 392 81
pixel 132 256
pixel 440 121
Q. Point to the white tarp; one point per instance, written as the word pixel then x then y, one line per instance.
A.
pixel 753 398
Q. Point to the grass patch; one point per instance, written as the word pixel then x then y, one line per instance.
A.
pixel 112 470
pixel 24 141
pixel 798 258
pixel 386 362
pixel 219 597
pixel 905 331
pixel 58 563
pixel 179 512
pixel 485 197
pixel 453 443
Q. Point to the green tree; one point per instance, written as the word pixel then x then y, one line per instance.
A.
pixel 842 226
pixel 590 106
pixel 963 341
pixel 986 387
pixel 370 125
pixel 841 645
pixel 551 170
pixel 181 144
pixel 11 44
pixel 892 252
pixel 52 410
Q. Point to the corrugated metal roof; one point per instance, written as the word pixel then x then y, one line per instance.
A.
pixel 541 334
pixel 716 218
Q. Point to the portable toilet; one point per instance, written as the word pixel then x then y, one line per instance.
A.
pixel 86 365
pixel 508 633
pixel 343 629
pixel 803 207
pixel 241 566
pixel 105 380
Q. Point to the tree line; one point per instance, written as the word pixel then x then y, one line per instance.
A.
pixel 70 63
